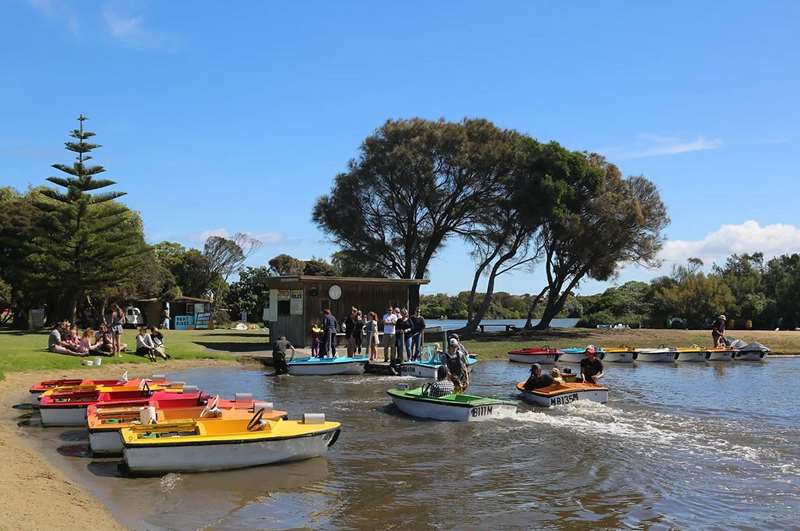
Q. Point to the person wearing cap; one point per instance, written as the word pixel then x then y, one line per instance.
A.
pixel 455 360
pixel 537 379
pixel 718 331
pixel 591 366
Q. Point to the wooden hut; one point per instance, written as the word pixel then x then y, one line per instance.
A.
pixel 296 301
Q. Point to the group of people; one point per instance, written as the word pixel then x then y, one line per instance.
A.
pixel 591 372
pixel 66 338
pixel 401 339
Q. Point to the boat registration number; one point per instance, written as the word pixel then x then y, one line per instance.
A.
pixel 481 411
pixel 565 399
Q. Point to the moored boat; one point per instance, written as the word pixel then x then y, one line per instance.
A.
pixel 691 354
pixel 560 394
pixel 208 445
pixel 751 352
pixel 427 369
pixel 655 355
pixel 542 356
pixel 123 381
pixel 720 354
pixel 105 422
pixel 618 355
pixel 575 355
pixel 312 366
pixel 69 409
pixel 454 407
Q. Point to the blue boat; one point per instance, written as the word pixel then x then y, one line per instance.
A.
pixel 427 365
pixel 575 355
pixel 312 366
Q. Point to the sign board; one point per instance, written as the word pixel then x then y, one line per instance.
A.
pixel 201 320
pixel 296 304
pixel 184 322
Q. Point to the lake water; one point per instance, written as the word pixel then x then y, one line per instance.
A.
pixel 677 446
pixel 454 324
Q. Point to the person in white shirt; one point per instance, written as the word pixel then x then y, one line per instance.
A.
pixel 389 320
pixel 144 345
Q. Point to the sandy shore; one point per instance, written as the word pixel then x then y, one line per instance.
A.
pixel 35 493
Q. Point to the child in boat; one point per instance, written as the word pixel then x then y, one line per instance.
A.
pixel 441 387
pixel 556 374
pixel 537 380
pixel 316 334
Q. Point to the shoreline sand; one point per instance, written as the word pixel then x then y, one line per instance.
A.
pixel 36 493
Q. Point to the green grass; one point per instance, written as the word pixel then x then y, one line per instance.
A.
pixel 496 346
pixel 26 351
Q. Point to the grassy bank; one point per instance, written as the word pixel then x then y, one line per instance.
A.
pixel 495 346
pixel 26 351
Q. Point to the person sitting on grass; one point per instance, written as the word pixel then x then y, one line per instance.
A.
pixel 88 344
pixel 537 380
pixel 158 341
pixel 144 345
pixel 56 342
pixel 441 387
pixel 104 341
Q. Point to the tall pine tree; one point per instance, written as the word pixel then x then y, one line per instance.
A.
pixel 85 242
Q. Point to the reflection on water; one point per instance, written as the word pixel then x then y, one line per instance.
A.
pixel 679 445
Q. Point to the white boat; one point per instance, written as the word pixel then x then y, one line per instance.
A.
pixel 655 355
pixel 427 369
pixel 312 366
pixel 458 408
pixel 618 355
pixel 720 354
pixel 575 355
pixel 751 352
pixel 692 354
pixel 200 446
pixel 542 356
pixel 563 394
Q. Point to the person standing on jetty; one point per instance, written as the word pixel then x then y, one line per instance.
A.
pixel 329 326
pixel 389 320
pixel 718 331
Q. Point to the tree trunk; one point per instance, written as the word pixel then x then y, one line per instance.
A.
pixel 555 304
pixel 532 308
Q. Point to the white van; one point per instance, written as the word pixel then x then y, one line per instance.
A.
pixel 133 317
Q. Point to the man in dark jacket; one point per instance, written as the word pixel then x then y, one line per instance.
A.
pixel 537 379
pixel 417 328
pixel 718 331
pixel 329 327
pixel 279 355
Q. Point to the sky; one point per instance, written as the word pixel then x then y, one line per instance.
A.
pixel 218 118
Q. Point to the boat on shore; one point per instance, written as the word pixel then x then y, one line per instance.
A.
pixel 542 356
pixel 576 354
pixel 618 355
pixel 454 407
pixel 69 409
pixel 560 394
pixel 208 445
pixel 427 369
pixel 312 366
pixel 123 381
pixel 691 354
pixel 655 355
pixel 751 352
pixel 720 354
pixel 105 422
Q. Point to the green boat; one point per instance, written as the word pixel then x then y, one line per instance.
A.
pixel 455 407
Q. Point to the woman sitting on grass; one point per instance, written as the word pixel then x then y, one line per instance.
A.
pixel 144 345
pixel 58 342
pixel 158 341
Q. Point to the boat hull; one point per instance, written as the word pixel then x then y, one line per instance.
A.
pixel 323 368
pixel 571 357
pixel 564 396
pixel 530 359
pixel 618 357
pixel 63 416
pixel 231 455
pixel 656 357
pixel 455 413
pixel 108 442
pixel 721 355
pixel 754 355
pixel 692 356
pixel 426 370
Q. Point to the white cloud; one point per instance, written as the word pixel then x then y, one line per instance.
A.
pixel 748 237
pixel 657 145
pixel 266 238
pixel 61 12
pixel 130 29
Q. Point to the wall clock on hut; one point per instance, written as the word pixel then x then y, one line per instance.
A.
pixel 335 292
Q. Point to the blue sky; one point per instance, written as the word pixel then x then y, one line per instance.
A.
pixel 218 118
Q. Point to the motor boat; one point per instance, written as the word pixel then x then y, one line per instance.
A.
pixel 720 354
pixel 691 354
pixel 751 352
pixel 123 381
pixel 207 445
pixel 576 355
pixel 312 366
pixel 618 355
pixel 655 355
pixel 427 369
pixel 542 356
pixel 453 407
pixel 560 394
pixel 105 422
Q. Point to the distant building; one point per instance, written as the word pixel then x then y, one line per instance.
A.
pixel 186 313
pixel 296 301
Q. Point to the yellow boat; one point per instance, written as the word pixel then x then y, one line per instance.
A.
pixel 201 445
pixel 693 353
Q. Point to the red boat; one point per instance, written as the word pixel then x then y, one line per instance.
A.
pixel 542 356
pixel 69 409
pixel 46 385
